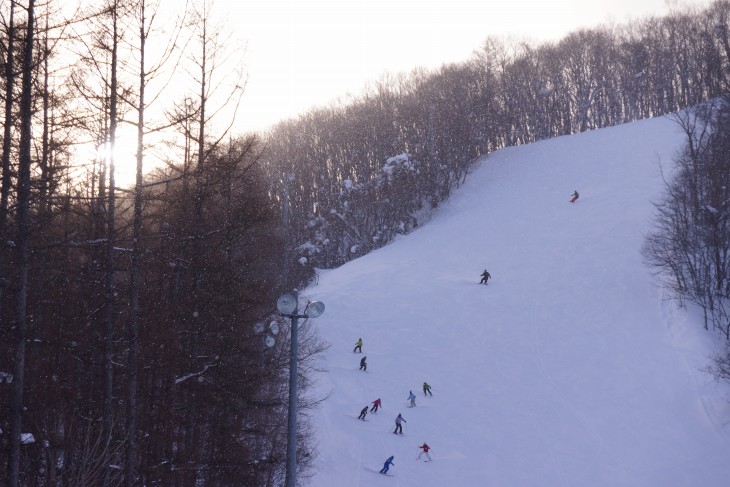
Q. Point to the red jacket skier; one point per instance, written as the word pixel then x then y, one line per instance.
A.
pixel 425 449
pixel 376 405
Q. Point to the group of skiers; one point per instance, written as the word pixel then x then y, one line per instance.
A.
pixel 399 420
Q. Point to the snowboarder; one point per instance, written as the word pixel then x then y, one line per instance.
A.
pixel 425 449
pixel 387 465
pixel 363 413
pixel 398 425
pixel 363 364
pixel 574 196
pixel 412 398
pixel 376 405
pixel 427 389
pixel 358 346
pixel 485 277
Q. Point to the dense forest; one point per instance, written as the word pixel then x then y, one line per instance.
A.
pixel 132 319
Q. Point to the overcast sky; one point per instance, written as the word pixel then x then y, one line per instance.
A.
pixel 305 53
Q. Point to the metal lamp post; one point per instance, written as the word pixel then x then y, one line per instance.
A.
pixel 288 306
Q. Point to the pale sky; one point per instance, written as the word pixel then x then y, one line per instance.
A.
pixel 302 54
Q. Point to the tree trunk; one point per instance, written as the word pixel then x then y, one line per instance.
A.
pixel 134 346
pixel 23 218
pixel 7 141
pixel 110 261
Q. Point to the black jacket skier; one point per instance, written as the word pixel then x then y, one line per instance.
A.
pixel 485 277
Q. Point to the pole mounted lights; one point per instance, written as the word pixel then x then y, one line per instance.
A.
pixel 288 306
pixel 271 329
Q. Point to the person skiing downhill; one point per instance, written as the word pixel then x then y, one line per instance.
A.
pixel 363 413
pixel 376 405
pixel 358 346
pixel 485 277
pixel 387 464
pixel 574 196
pixel 427 389
pixel 398 426
pixel 424 449
pixel 412 398
pixel 363 364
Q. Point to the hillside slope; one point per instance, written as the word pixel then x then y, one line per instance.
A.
pixel 569 369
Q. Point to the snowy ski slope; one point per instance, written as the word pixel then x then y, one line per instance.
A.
pixel 569 369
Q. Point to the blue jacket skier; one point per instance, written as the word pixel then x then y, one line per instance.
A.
pixel 387 464
pixel 412 398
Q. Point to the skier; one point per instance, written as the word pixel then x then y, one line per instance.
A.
pixel 574 196
pixel 387 465
pixel 363 364
pixel 427 389
pixel 485 277
pixel 358 346
pixel 398 425
pixel 363 413
pixel 376 405
pixel 412 398
pixel 425 449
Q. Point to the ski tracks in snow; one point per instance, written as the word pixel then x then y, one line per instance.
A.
pixel 569 405
pixel 667 309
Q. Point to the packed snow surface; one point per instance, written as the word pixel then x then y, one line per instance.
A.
pixel 570 368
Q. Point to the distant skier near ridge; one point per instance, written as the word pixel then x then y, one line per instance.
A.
pixel 387 464
pixel 363 413
pixel 376 405
pixel 398 426
pixel 485 277
pixel 574 196
pixel 363 364
pixel 358 346
pixel 424 449
pixel 427 389
pixel 412 398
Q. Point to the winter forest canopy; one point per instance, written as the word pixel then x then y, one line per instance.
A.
pixel 128 348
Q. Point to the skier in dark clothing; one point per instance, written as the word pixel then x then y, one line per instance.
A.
pixel 376 405
pixel 398 425
pixel 387 465
pixel 485 277
pixel 363 413
pixel 574 196
pixel 427 389
pixel 363 364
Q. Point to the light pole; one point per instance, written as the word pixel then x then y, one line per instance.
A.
pixel 288 306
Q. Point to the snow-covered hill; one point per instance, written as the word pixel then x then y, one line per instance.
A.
pixel 568 369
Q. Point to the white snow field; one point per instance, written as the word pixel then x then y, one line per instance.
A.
pixel 570 368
